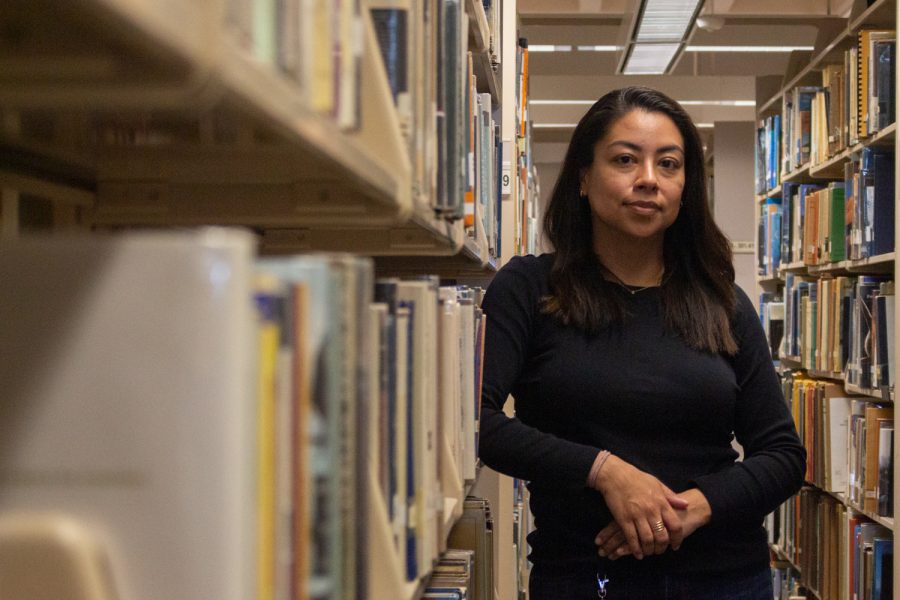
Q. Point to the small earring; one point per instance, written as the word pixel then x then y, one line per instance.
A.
pixel 681 204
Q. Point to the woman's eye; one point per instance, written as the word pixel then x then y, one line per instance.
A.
pixel 624 159
pixel 669 163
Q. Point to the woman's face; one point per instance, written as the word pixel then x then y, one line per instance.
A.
pixel 634 184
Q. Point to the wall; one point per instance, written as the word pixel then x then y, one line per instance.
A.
pixel 733 193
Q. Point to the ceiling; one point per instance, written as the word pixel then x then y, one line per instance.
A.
pixel 696 76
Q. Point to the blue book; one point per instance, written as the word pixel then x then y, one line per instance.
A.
pixel 412 563
pixel 880 204
pixel 883 557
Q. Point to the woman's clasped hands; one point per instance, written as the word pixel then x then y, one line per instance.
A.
pixel 648 517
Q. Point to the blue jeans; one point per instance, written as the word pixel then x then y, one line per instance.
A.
pixel 579 582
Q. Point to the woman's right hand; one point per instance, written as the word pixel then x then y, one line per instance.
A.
pixel 642 505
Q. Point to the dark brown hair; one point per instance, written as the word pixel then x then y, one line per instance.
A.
pixel 698 296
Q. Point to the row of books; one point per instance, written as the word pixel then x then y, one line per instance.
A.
pixel 276 418
pixel 854 102
pixel 786 583
pixel 843 326
pixel 446 117
pixel 767 169
pixel 846 220
pixel 818 224
pixel 526 176
pixel 314 45
pixel 403 356
pixel 841 554
pixel 466 570
pixel 493 10
pixel 856 98
pixel 523 524
pixel 849 442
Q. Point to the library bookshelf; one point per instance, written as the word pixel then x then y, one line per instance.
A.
pixel 825 234
pixel 124 116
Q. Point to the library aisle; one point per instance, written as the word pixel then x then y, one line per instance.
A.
pixel 243 246
pixel 826 198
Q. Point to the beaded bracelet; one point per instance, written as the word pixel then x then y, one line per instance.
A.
pixel 595 469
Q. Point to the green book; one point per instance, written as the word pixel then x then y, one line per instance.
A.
pixel 836 247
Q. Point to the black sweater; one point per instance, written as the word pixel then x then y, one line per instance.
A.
pixel 645 396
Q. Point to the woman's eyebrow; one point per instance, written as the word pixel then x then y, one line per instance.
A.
pixel 637 148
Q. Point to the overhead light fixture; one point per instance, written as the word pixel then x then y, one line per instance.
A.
pixel 658 35
pixel 548 48
pixel 666 20
pixel 597 48
pixel 747 48
pixel 569 48
pixel 650 59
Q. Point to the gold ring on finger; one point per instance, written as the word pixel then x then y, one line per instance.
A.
pixel 659 526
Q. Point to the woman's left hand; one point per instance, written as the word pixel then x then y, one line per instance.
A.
pixel 611 540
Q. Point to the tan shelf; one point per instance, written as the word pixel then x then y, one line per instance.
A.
pixel 784 557
pixel 798 267
pixel 487 80
pixel 884 137
pixel 479 30
pixel 886 521
pixel 870 392
pixel 226 139
pixel 483 52
pixel 881 264
pixel 833 168
pixel 881 14
pixel 109 53
pixel 768 280
pixel 800 174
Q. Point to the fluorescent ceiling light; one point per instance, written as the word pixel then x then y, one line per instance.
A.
pixel 666 20
pixel 659 35
pixel 704 125
pixel 548 48
pixel 650 59
pixel 746 48
pixel 597 48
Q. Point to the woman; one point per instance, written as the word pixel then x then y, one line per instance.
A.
pixel 634 361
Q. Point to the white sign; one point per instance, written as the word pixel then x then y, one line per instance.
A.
pixel 506 181
pixel 743 247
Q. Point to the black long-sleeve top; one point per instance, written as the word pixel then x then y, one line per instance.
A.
pixel 644 395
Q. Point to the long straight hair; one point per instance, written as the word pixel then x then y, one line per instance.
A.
pixel 698 296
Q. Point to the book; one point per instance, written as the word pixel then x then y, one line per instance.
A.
pixel 884 488
pixel 474 531
pixel 136 415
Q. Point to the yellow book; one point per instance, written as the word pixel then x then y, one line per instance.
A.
pixel 323 72
pixel 268 333
pixel 866 38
